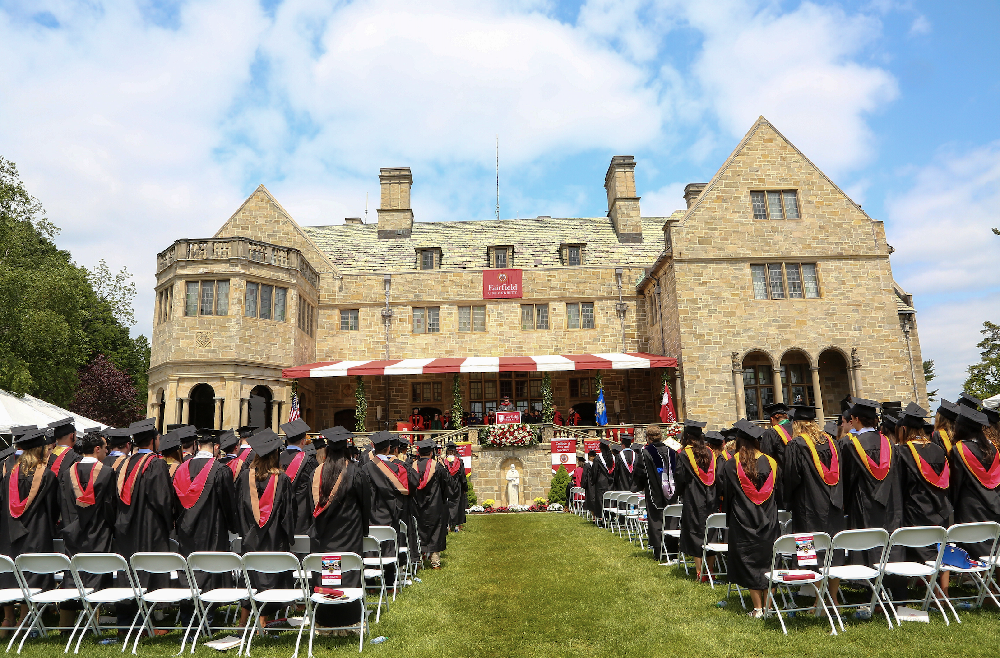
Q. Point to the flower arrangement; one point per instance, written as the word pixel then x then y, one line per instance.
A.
pixel 502 509
pixel 516 435
pixel 555 507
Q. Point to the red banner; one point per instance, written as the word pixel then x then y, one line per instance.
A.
pixel 465 452
pixel 404 426
pixel 508 417
pixel 563 454
pixel 591 444
pixel 501 284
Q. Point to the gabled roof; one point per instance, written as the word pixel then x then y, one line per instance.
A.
pixel 356 248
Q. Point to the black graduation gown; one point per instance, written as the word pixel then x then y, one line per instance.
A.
pixel 431 506
pixel 698 500
pixel 34 530
pixel 772 444
pixel 303 487
pixel 69 457
pixel 923 503
pixel 588 489
pixel 145 523
pixel 815 505
pixel 8 464
pixel 627 462
pixel 752 528
pixel 387 504
pixel 89 529
pixel 602 480
pixel 205 526
pixel 110 461
pixel 972 501
pixel 647 478
pixel 277 533
pixel 868 502
pixel 456 504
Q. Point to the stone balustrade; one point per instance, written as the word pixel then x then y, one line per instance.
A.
pixel 237 248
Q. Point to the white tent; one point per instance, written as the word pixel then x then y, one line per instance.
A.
pixel 32 411
pixel 992 403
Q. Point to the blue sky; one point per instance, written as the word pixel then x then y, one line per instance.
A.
pixel 138 123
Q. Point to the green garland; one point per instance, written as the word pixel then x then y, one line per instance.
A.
pixel 457 408
pixel 548 413
pixel 598 383
pixel 360 405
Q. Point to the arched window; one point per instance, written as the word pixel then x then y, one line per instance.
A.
pixel 202 401
pixel 796 379
pixel 758 384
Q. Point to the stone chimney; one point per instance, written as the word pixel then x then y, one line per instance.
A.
pixel 353 221
pixel 623 204
pixel 692 191
pixel 395 218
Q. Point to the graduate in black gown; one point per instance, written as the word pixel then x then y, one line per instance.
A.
pixel 870 474
pixel 944 426
pixel 399 448
pixel 145 509
pixel 299 467
pixel 119 445
pixel 749 485
pixel 391 484
pixel 697 471
pixel 8 458
pixel 811 480
pixel 456 471
pixel 654 476
pixel 433 488
pixel 588 487
pixel 266 512
pixel 602 479
pixel 628 459
pixel 339 489
pixel 228 442
pixel 63 455
pixel 975 475
pixel 31 506
pixel 205 504
pixel 776 437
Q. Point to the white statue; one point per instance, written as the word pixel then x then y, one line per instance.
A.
pixel 513 486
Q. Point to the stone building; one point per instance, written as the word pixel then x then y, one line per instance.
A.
pixel 771 284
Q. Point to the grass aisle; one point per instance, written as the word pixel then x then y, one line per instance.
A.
pixel 539 585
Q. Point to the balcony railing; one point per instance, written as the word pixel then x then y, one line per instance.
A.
pixel 237 248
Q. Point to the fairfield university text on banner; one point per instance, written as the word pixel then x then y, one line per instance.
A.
pixel 501 284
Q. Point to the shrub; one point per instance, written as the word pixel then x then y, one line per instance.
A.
pixel 557 489
pixel 470 495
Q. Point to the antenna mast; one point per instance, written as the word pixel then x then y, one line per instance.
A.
pixel 498 176
pixel 366 207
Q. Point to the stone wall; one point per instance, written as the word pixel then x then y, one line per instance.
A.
pixel 489 468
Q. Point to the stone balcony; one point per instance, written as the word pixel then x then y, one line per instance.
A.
pixel 213 249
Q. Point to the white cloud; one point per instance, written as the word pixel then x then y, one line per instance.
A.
pixel 920 26
pixel 662 202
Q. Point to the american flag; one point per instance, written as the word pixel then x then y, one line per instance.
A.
pixel 294 413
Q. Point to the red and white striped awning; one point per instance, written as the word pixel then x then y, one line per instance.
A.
pixel 546 363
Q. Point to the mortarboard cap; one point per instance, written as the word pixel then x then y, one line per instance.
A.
pixel 91 430
pixel 294 429
pixel 895 409
pixel 913 416
pixel 803 412
pixel 18 430
pixel 309 449
pixel 264 442
pixel 117 436
pixel 171 441
pixel 336 437
pixel 209 435
pixel 948 410
pixel 831 428
pixel 861 406
pixel 694 427
pixel 969 401
pixel 34 439
pixel 425 444
pixel 172 426
pixel 451 446
pixel 7 452
pixel 728 433
pixel 246 431
pixel 606 443
pixel 62 427
pixel 775 408
pixel 747 430
pixel 714 437
pixel 227 440
pixel 970 417
pixel 992 415
pixel 142 427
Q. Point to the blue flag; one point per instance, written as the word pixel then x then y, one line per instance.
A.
pixel 601 408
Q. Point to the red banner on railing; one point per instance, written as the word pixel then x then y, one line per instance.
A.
pixel 501 284
pixel 465 452
pixel 563 454
pixel 508 417
pixel 591 444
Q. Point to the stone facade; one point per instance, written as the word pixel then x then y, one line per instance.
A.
pixel 678 285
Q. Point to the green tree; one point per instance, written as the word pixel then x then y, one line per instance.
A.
pixel 557 489
pixel 984 377
pixel 53 321
pixel 928 376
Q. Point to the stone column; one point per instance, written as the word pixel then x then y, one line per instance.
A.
pixel 170 398
pixel 218 413
pixel 741 400
pixel 275 411
pixel 817 393
pixel 185 410
pixel 678 395
pixel 779 394
pixel 244 406
pixel 856 373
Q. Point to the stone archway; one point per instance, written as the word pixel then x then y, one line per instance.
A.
pixel 835 379
pixel 502 478
pixel 202 414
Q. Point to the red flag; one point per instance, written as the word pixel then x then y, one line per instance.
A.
pixel 667 414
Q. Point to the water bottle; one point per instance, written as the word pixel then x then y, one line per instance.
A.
pixel 722 604
pixel 108 640
pixel 863 613
pixel 378 640
pixel 965 605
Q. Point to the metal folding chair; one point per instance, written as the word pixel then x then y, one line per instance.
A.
pixel 12 595
pixel 919 536
pixel 863 540
pixel 406 555
pixel 216 563
pixel 778 577
pixel 102 563
pixel 386 535
pixel 37 599
pixel 374 571
pixel 672 512
pixel 276 562
pixel 168 563
pixel 348 562
pixel 982 576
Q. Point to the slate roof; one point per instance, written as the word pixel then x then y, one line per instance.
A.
pixel 356 248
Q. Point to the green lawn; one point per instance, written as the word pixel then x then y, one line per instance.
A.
pixel 553 585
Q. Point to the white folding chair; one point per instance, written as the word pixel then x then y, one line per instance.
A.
pixel 672 512
pixel 405 555
pixel 216 563
pixel 631 515
pixel 642 523
pixel 168 563
pixel 715 522
pixel 374 571
pixel 777 576
pixel 928 573
pixel 37 599
pixel 348 562
pixel 386 535
pixel 577 495
pixel 863 540
pixel 975 533
pixel 418 556
pixel 102 563
pixel 12 595
pixel 276 562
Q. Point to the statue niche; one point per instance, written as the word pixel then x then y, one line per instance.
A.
pixel 512 482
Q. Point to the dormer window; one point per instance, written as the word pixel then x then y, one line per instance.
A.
pixel 572 254
pixel 428 259
pixel 501 257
